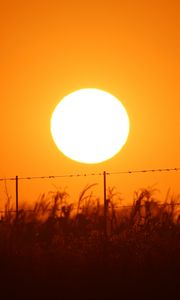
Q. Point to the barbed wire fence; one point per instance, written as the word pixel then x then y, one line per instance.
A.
pixel 103 174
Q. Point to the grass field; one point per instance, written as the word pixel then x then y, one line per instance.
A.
pixel 58 250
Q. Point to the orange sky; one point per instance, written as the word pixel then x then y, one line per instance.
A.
pixel 128 48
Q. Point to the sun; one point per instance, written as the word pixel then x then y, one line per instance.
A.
pixel 90 126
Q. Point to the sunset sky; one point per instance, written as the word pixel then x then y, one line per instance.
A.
pixel 128 48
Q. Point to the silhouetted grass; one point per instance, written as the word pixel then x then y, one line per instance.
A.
pixel 57 250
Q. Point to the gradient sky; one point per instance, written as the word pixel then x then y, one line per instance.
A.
pixel 128 48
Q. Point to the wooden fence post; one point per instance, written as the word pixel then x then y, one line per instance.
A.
pixel 17 198
pixel 105 205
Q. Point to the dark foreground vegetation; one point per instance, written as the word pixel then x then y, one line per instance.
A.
pixel 59 251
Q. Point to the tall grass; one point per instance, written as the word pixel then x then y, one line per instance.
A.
pixel 56 247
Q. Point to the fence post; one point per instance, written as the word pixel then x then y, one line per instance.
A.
pixel 105 205
pixel 17 196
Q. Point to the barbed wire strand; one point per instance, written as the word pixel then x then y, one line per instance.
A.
pixel 91 174
pixel 145 171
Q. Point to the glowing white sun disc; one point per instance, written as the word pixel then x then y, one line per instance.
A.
pixel 89 125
